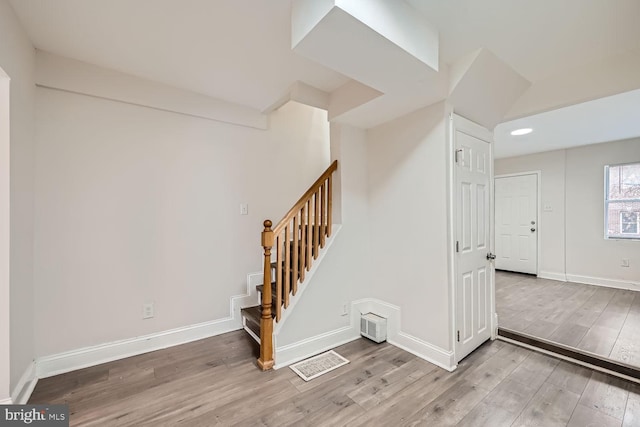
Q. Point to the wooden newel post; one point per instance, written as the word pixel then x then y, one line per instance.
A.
pixel 265 361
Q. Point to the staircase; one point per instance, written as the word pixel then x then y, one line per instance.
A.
pixel 296 242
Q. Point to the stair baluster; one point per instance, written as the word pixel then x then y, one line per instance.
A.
pixel 303 241
pixel 278 276
pixel 329 206
pixel 287 264
pixel 294 257
pixel 309 232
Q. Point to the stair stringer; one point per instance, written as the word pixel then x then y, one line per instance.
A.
pixel 293 299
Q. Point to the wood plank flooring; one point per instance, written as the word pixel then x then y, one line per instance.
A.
pixel 214 382
pixel 600 320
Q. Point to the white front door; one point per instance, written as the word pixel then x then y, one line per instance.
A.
pixel 474 274
pixel 517 223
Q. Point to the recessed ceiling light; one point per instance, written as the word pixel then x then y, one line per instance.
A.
pixel 520 132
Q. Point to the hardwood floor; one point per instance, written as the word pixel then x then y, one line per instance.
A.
pixel 600 320
pixel 214 382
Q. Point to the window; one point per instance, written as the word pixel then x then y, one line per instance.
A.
pixel 629 222
pixel 622 201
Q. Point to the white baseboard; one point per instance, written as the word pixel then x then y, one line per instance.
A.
pixel 90 356
pixel 552 275
pixel 425 350
pixel 292 353
pixel 56 364
pixel 600 281
pixel 6 402
pixel 588 280
pixel 27 382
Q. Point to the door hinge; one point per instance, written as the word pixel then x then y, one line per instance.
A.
pixel 458 336
pixel 457 246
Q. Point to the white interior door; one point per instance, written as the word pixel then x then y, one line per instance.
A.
pixel 517 223
pixel 474 274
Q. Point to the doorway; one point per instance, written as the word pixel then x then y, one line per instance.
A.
pixel 517 222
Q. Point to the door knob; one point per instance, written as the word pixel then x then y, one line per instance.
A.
pixel 533 229
pixel 490 256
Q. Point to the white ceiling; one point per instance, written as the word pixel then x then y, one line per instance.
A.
pixel 235 50
pixel 536 37
pixel 605 119
pixel 240 50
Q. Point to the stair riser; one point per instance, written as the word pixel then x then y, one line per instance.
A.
pixel 254 327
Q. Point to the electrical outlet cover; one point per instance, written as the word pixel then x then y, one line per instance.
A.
pixel 147 310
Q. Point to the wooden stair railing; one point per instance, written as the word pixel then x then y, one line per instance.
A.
pixel 297 238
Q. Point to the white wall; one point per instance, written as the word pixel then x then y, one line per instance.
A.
pixel 135 204
pixel 407 169
pixel 17 61
pixel 589 255
pixel 345 272
pixel 551 165
pixel 573 184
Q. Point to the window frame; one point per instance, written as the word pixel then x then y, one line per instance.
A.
pixel 607 201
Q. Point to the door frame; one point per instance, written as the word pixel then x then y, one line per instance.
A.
pixel 457 122
pixel 538 175
pixel 5 248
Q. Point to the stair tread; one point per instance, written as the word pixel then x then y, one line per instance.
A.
pixel 253 313
pixel 260 288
